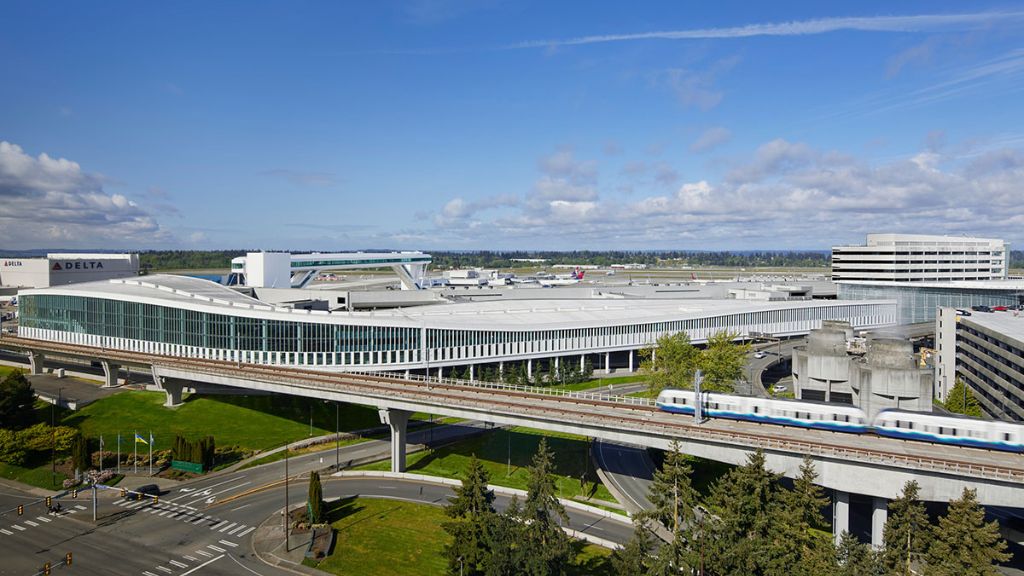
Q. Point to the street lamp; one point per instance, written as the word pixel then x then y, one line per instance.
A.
pixel 53 439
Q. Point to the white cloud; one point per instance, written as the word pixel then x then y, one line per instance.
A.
pixel 711 138
pixel 909 23
pixel 45 201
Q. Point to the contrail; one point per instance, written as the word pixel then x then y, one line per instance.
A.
pixel 913 23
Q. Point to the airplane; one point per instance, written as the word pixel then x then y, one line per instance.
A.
pixel 563 279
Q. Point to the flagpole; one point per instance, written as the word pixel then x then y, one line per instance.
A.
pixel 150 452
pixel 135 457
pixel 118 452
pixel 101 453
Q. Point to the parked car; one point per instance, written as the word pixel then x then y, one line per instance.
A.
pixel 963 312
pixel 779 388
pixel 999 308
pixel 981 308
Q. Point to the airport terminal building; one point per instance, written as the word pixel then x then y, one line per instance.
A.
pixel 60 269
pixel 191 317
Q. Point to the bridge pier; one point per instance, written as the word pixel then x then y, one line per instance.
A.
pixel 879 514
pixel 173 389
pixel 397 420
pixel 471 374
pixel 110 372
pixel 607 362
pixel 840 514
pixel 35 362
pixel 631 360
pixel 529 369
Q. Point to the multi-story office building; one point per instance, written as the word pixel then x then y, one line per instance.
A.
pixel 924 272
pixel 986 350
pixel 920 258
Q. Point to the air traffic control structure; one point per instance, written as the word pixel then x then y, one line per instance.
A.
pixel 285 270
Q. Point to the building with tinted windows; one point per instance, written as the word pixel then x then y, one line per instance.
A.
pixel 191 317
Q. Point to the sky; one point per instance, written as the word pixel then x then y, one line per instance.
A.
pixel 497 125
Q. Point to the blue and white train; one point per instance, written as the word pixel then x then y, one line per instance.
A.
pixel 956 430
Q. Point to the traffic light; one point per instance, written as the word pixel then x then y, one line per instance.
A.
pixel 49 501
pixel 21 509
pixel 124 492
pixel 156 499
pixel 46 569
pixel 67 559
pixel 74 492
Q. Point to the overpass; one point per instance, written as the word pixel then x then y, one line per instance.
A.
pixel 847 463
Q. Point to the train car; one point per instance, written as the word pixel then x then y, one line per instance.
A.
pixel 785 412
pixel 957 430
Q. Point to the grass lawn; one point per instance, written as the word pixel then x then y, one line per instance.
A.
pixel 37 472
pixel 571 460
pixel 327 448
pixel 600 382
pixel 250 422
pixel 382 537
pixel 5 370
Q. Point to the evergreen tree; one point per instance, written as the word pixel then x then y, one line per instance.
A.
pixel 634 559
pixel 964 543
pixel 672 494
pixel 546 546
pixel 316 499
pixel 807 498
pixel 908 534
pixel 854 558
pixel 80 454
pixel 794 547
pixel 961 400
pixel 16 399
pixel 504 540
pixel 743 500
pixel 472 513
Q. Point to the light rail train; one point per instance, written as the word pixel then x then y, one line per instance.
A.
pixel 918 426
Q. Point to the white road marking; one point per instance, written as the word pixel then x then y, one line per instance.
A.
pixel 228 526
pixel 17 527
pixel 233 530
pixel 118 501
pixel 80 507
pixel 191 558
pixel 164 513
pixel 145 573
pixel 215 526
pixel 204 553
pixel 178 564
pixel 210 561
pixel 190 490
pixel 227 543
pixel 31 523
pixel 215 548
pixel 239 508
pixel 6 531
pixel 247 530
pixel 43 519
pixel 205 496
pixel 164 568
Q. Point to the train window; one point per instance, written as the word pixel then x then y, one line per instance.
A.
pixel 846 417
pixel 910 425
pixel 1006 437
pixel 757 409
pixel 954 432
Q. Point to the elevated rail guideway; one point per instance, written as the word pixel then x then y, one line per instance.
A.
pixel 847 463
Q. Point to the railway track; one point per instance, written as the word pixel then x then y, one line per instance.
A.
pixel 582 408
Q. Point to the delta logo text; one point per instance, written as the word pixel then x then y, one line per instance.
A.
pixel 11 263
pixel 78 265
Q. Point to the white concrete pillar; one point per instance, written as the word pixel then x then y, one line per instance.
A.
pixel 471 378
pixel 440 373
pixel 556 364
pixel 173 391
pixel 397 420
pixel 583 362
pixel 501 370
pixel 110 373
pixel 406 373
pixel 879 513
pixel 35 362
pixel 607 362
pixel 840 514
pixel 631 360
pixel 654 356
pixel 529 369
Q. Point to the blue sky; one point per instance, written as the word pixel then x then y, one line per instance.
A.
pixel 450 124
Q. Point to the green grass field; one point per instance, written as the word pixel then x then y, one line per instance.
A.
pixel 5 370
pixel 600 382
pixel 571 461
pixel 250 422
pixel 384 537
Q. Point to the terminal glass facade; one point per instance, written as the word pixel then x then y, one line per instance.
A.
pixel 918 303
pixel 324 340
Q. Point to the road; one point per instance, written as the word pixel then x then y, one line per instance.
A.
pixel 629 471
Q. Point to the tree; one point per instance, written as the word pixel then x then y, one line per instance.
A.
pixel 807 498
pixel 854 558
pixel 546 546
pixel 80 459
pixel 743 500
pixel 671 363
pixel 16 400
pixel 961 400
pixel 908 532
pixel 964 543
pixel 794 546
pixel 722 362
pixel 504 540
pixel 472 513
pixel 672 495
pixel 315 503
pixel 634 559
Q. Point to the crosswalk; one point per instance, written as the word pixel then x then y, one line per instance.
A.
pixel 26 524
pixel 223 529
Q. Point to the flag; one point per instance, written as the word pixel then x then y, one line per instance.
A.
pixel 140 438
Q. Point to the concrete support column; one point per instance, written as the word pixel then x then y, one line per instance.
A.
pixel 397 420
pixel 406 373
pixel 35 362
pixel 583 362
pixel 501 370
pixel 607 362
pixel 840 514
pixel 471 374
pixel 529 369
pixel 654 356
pixel 631 360
pixel 440 373
pixel 879 513
pixel 110 373
pixel 556 364
pixel 173 391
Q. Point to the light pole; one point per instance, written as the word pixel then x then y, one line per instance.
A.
pixel 337 436
pixel 286 497
pixel 53 439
